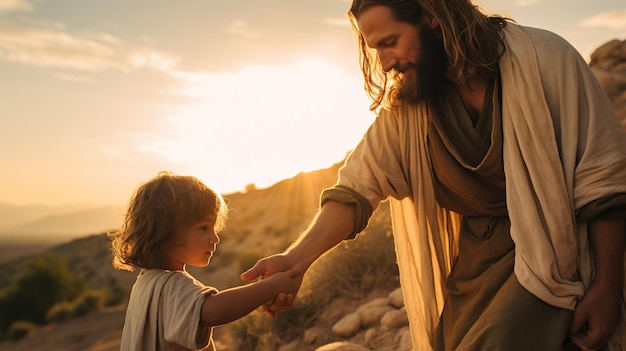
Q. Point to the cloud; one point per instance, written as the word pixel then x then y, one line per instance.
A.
pixel 54 47
pixel 71 77
pixel 612 20
pixel 158 61
pixel 15 6
pixel 334 21
pixel 527 2
pixel 241 28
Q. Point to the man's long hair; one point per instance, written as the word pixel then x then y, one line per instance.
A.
pixel 472 42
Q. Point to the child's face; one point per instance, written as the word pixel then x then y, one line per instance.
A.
pixel 193 245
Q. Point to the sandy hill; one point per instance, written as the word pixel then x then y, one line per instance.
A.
pixel 262 222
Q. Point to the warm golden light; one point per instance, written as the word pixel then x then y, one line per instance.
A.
pixel 264 123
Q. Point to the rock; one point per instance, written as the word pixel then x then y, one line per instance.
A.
pixel 372 311
pixel 371 316
pixel 396 299
pixel 312 334
pixel 348 325
pixel 292 346
pixel 405 342
pixel 395 318
pixel 608 63
pixel 609 55
pixel 370 335
pixel 381 301
pixel 342 346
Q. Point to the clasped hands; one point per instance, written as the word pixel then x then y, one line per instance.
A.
pixel 267 266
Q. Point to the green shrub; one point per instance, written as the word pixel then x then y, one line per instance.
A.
pixel 90 301
pixel 60 312
pixel 354 269
pixel 45 281
pixel 256 331
pixel 116 294
pixel 20 329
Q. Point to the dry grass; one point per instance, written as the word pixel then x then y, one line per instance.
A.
pixel 99 331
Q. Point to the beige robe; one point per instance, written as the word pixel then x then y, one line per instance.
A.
pixel 563 148
pixel 163 313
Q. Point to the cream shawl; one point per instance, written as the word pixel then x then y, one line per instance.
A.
pixel 563 148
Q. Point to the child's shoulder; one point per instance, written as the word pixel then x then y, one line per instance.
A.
pixel 174 281
pixel 162 277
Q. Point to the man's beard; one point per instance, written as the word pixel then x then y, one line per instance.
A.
pixel 427 71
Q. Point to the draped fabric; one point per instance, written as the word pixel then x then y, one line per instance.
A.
pixel 563 148
pixel 163 313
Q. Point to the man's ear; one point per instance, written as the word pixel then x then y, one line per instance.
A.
pixel 431 21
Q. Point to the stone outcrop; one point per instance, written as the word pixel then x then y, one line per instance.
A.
pixel 379 324
pixel 608 63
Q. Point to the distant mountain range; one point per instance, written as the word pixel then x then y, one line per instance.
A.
pixel 44 225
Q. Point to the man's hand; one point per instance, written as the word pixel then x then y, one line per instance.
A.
pixel 595 318
pixel 332 224
pixel 596 314
pixel 264 268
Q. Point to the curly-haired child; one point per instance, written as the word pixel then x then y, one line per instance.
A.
pixel 172 221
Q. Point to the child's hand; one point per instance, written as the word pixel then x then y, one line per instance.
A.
pixel 288 282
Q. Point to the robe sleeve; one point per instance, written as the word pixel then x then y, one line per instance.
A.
pixel 373 171
pixel 609 207
pixel 181 303
pixel 363 208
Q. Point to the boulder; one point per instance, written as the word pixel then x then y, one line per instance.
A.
pixel 608 62
pixel 342 346
pixel 347 326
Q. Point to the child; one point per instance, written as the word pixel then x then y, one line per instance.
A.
pixel 172 221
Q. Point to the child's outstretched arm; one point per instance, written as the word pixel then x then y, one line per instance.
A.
pixel 231 304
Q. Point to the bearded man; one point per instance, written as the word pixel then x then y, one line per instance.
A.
pixel 505 166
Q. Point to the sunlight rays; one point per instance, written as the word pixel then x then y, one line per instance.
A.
pixel 274 122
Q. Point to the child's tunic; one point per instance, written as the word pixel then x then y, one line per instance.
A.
pixel 164 313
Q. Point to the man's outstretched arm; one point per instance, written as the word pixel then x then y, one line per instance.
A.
pixel 332 224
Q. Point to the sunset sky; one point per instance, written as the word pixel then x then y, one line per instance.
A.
pixel 98 96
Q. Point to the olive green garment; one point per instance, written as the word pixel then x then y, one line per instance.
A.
pixel 486 307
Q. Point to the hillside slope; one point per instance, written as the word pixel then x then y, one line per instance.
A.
pixel 261 222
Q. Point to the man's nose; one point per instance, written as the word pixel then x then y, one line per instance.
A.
pixel 387 61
